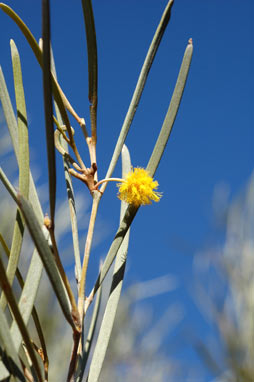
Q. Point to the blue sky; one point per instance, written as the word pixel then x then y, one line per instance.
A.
pixel 212 139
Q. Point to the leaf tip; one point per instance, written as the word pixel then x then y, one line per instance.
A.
pixel 14 49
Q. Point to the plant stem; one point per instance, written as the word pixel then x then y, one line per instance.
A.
pixel 75 150
pixel 59 128
pixel 77 349
pixel 92 152
pixel 108 180
pixel 65 280
pixel 81 297
pixel 71 371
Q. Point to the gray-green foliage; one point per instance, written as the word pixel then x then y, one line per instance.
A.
pixel 225 290
pixel 20 358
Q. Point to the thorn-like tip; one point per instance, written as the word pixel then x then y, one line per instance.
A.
pixel 190 41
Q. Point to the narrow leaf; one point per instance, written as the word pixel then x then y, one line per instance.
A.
pixel 89 339
pixel 139 88
pixel 92 63
pixel 9 113
pixel 48 108
pixel 23 162
pixel 16 244
pixel 70 191
pixel 115 292
pixel 13 129
pixel 59 96
pixel 172 111
pixel 42 247
pixel 9 187
pixel 124 226
pixel 13 362
pixel 26 300
pixel 16 313
pixel 36 266
pixel 46 256
pixel 23 146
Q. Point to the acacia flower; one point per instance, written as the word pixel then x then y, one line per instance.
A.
pixel 138 188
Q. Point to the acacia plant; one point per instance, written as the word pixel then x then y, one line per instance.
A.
pixel 22 359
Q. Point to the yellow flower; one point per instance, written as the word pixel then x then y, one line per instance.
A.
pixel 138 188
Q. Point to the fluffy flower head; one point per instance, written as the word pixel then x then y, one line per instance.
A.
pixel 138 188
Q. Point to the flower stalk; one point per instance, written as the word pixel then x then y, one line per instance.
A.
pixel 81 294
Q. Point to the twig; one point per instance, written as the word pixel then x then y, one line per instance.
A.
pixel 71 371
pixel 81 295
pixel 65 280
